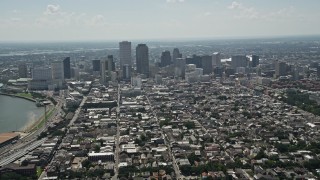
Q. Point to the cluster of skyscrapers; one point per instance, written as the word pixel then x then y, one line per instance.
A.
pixel 108 69
pixel 190 68
pixel 52 77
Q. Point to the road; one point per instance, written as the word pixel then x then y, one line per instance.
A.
pixel 74 118
pixel 76 114
pixel 174 162
pixel 31 137
pixel 117 148
pixel 18 153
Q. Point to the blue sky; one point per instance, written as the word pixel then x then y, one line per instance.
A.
pixel 81 20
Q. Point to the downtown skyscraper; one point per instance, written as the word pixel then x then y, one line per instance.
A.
pixel 125 53
pixel 176 54
pixel 66 68
pixel 23 70
pixel 165 59
pixel 142 59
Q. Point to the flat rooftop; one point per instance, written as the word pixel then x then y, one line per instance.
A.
pixel 7 136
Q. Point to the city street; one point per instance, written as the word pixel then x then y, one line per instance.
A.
pixel 15 154
pixel 117 148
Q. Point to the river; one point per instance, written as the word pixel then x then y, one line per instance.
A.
pixel 17 113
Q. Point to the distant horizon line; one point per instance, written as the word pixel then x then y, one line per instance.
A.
pixel 182 39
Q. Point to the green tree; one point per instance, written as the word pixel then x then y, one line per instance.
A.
pixel 189 125
pixel 86 163
pixel 192 158
pixel 166 122
pixel 260 155
pixel 97 148
pixel 282 148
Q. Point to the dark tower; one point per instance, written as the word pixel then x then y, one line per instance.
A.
pixel 165 59
pixel 66 68
pixel 255 60
pixel 96 65
pixel 142 59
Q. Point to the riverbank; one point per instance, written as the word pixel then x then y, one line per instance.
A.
pixel 18 96
pixel 32 122
pixel 40 122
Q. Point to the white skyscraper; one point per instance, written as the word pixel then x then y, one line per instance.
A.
pixel 180 66
pixel 192 73
pixel 216 59
pixel 125 53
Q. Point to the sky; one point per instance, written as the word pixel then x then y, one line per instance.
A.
pixel 115 20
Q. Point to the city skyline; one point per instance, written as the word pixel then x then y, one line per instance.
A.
pixel 157 19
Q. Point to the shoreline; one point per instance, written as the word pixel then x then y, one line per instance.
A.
pixel 33 126
pixel 28 128
pixel 13 95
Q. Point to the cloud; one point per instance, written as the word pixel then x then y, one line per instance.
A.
pixel 243 11
pixel 98 20
pixel 175 1
pixel 52 9
pixel 284 13
pixel 55 17
pixel 207 14
pixel 235 5
pixel 14 19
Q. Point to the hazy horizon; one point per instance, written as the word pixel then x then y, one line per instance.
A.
pixel 174 40
pixel 84 20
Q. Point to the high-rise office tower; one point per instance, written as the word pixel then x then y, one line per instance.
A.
pixel 75 73
pixel 192 73
pixel 103 71
pixel 175 54
pixel 280 68
pixel 23 70
pixel 107 67
pixel 196 60
pixel 42 74
pixel 218 71
pixel 110 66
pixel 66 68
pixel 206 62
pixel 239 61
pixel 255 61
pixel 96 65
pixel 180 67
pixel 142 59
pixel 216 59
pixel 126 71
pixel 57 74
pixel 165 59
pixel 57 70
pixel 125 53
pixel 41 78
